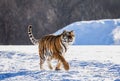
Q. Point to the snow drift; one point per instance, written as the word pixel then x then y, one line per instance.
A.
pixel 95 32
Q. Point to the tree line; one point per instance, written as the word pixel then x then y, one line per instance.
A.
pixel 48 16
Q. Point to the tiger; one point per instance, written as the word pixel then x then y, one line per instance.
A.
pixel 53 47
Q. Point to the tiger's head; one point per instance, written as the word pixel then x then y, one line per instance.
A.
pixel 68 37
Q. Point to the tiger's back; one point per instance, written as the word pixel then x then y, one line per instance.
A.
pixel 51 45
pixel 51 42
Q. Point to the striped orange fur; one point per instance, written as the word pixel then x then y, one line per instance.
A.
pixel 53 47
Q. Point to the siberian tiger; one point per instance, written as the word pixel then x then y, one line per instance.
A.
pixel 53 47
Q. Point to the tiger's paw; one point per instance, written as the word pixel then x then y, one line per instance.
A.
pixel 51 68
pixel 57 69
pixel 66 66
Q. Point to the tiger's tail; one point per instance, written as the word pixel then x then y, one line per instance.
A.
pixel 33 40
pixel 65 64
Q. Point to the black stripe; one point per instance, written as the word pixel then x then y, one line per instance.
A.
pixel 56 45
pixel 29 33
pixel 44 45
pixel 50 41
pixel 64 46
pixel 29 30
pixel 43 48
pixel 51 38
pixel 30 36
pixel 33 40
pixel 48 38
pixel 42 57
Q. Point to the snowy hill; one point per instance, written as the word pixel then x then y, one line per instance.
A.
pixel 87 63
pixel 95 32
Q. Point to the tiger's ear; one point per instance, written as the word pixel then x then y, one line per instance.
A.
pixel 72 31
pixel 64 31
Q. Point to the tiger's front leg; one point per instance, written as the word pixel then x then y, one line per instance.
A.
pixel 58 65
pixel 49 63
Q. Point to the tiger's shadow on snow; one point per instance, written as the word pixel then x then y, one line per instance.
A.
pixel 11 74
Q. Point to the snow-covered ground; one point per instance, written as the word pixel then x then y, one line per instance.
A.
pixel 87 63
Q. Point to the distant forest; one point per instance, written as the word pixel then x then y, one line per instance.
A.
pixel 48 16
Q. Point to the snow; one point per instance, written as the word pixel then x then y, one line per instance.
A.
pixel 95 32
pixel 87 63
pixel 116 35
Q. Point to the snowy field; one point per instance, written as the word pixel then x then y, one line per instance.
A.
pixel 87 63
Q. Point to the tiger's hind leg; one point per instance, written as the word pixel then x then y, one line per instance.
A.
pixel 49 63
pixel 41 64
pixel 58 65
